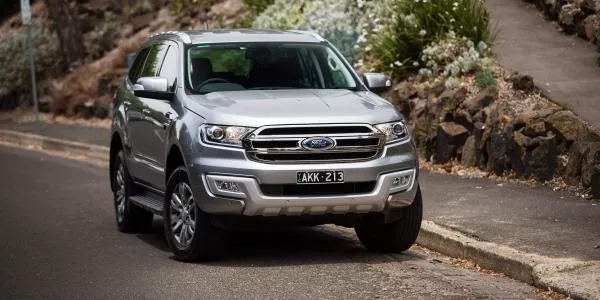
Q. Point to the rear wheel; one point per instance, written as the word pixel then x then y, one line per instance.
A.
pixel 130 218
pixel 394 237
pixel 189 231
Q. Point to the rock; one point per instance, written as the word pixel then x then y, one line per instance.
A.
pixel 418 106
pixel 447 99
pixel 590 6
pixel 589 27
pixel 469 155
pixel 450 136
pixel 522 82
pixel 458 94
pixel 498 160
pixel 577 151
pixel 484 98
pixel 480 116
pixel 535 129
pixel 523 141
pixel 404 91
pixel 435 89
pixel 463 118
pixel 570 15
pixel 566 125
pixel 595 182
pixel 542 161
pixel 591 158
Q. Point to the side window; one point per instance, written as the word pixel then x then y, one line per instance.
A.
pixel 169 66
pixel 137 65
pixel 154 60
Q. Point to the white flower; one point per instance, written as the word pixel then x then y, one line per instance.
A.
pixel 399 64
pixel 423 32
pixel 416 63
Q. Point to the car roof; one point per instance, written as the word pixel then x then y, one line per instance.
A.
pixel 214 36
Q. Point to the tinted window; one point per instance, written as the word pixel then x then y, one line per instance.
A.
pixel 258 66
pixel 137 65
pixel 169 66
pixel 154 60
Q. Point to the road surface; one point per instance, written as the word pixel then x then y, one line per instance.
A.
pixel 59 241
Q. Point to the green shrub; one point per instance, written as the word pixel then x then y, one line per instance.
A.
pixel 485 78
pixel 335 20
pixel 399 45
pixel 104 37
pixel 257 6
pixel 14 62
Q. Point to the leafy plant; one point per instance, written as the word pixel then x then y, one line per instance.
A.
pixel 335 20
pixel 485 78
pixel 399 45
pixel 14 64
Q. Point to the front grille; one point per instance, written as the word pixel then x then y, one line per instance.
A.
pixel 303 190
pixel 283 144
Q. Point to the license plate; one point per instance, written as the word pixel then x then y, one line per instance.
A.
pixel 319 177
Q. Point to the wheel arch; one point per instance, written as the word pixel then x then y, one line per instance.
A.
pixel 174 160
pixel 116 144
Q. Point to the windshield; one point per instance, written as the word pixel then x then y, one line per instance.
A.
pixel 260 66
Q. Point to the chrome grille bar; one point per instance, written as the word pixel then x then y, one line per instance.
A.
pixel 277 144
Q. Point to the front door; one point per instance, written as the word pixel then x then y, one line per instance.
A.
pixel 143 166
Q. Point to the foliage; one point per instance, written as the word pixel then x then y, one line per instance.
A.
pixel 257 6
pixel 14 61
pixel 190 7
pixel 103 37
pixel 398 45
pixel 335 20
pixel 453 57
pixel 485 78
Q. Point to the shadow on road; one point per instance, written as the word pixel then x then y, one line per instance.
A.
pixel 287 246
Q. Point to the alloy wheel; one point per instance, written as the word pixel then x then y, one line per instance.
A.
pixel 182 215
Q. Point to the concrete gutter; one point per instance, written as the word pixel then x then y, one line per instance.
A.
pixel 578 279
pixel 95 152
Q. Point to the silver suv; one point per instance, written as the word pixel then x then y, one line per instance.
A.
pixel 216 130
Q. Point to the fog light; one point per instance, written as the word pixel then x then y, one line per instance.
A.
pixel 227 186
pixel 401 181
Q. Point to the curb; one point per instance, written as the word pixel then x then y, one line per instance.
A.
pixel 578 279
pixel 95 152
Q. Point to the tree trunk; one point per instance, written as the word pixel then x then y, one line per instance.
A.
pixel 67 27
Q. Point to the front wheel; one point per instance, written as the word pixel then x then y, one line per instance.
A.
pixel 189 231
pixel 394 237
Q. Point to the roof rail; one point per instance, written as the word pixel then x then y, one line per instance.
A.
pixel 184 36
pixel 306 32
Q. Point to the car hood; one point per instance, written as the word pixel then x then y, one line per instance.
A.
pixel 257 108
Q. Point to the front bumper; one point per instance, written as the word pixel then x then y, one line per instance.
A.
pixel 227 165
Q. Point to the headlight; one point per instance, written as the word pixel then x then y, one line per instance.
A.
pixel 224 135
pixel 394 131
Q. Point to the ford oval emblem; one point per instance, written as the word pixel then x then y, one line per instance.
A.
pixel 318 143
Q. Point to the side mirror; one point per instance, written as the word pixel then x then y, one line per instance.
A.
pixel 153 87
pixel 377 82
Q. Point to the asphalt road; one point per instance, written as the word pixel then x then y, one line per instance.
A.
pixel 59 241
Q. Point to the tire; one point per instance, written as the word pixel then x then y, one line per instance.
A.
pixel 188 230
pixel 395 237
pixel 129 217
